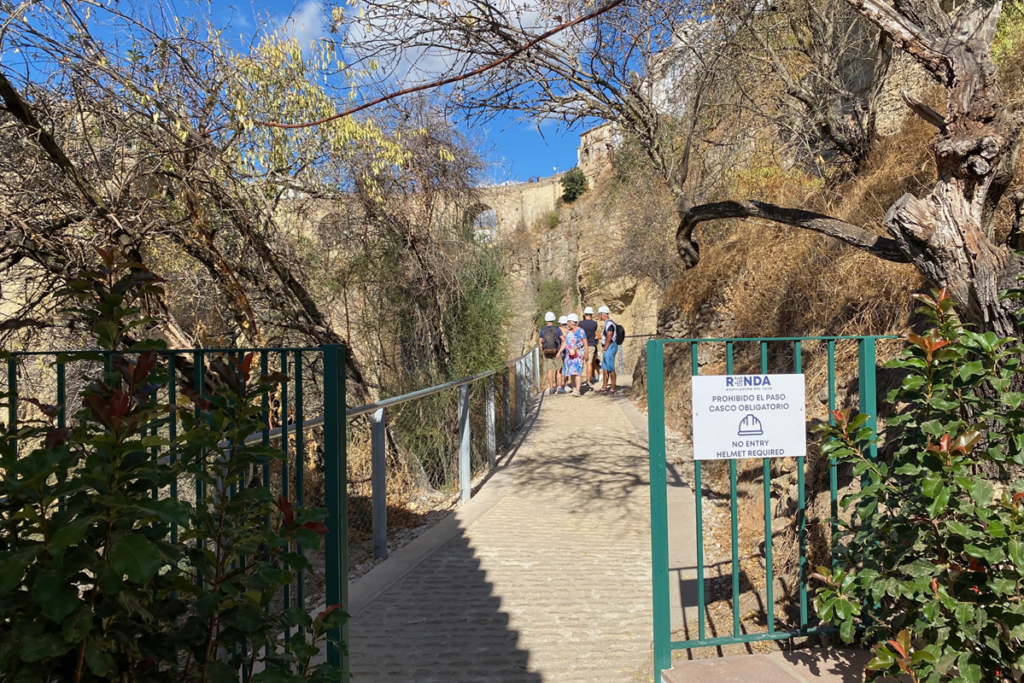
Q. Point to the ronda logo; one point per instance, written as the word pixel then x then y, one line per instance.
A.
pixel 748 381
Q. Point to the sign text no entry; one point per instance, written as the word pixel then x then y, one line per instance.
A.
pixel 748 416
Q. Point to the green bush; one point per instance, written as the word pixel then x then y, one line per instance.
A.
pixel 932 561
pixel 552 220
pixel 103 576
pixel 550 295
pixel 574 184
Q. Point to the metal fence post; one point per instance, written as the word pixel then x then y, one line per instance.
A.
pixel 505 413
pixel 659 507
pixel 492 446
pixel 536 371
pixel 464 464
pixel 379 486
pixel 12 400
pixel 533 375
pixel 866 387
pixel 520 394
pixel 336 495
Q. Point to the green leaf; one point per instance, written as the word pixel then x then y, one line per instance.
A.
pixel 1015 548
pixel 931 484
pixel 961 529
pixel 43 646
pixel 68 535
pixel 166 509
pixel 981 492
pixel 54 594
pixel 135 555
pixel 975 367
pixel 884 658
pixel 919 568
pixel 964 612
pixel 938 505
pixel 12 567
pixel 100 662
pixel 846 631
pixel 971 673
pixel 78 627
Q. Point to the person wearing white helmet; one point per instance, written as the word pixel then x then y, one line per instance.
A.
pixel 563 325
pixel 590 364
pixel 575 345
pixel 610 349
pixel 550 342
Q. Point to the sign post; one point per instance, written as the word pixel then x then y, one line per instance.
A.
pixel 748 416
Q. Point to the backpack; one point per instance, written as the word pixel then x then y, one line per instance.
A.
pixel 620 334
pixel 549 341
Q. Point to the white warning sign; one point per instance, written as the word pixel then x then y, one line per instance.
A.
pixel 748 416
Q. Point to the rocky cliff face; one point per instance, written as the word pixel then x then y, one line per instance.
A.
pixel 582 248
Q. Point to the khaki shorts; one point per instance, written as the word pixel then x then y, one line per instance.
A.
pixel 551 363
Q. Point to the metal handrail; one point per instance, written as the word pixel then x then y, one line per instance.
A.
pixel 693 340
pixel 429 391
pixel 314 422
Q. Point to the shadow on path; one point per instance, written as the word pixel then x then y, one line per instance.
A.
pixel 442 622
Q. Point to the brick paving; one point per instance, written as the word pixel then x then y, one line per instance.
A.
pixel 551 585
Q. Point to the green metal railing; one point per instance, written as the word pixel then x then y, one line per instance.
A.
pixel 69 371
pixel 302 404
pixel 787 357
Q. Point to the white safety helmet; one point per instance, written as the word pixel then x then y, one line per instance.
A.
pixel 549 317
pixel 563 320
pixel 588 311
pixel 604 309
pixel 573 318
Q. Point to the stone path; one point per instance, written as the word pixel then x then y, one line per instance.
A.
pixel 550 584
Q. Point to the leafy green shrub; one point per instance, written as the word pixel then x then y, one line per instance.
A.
pixel 574 184
pixel 550 295
pixel 552 220
pixel 103 575
pixel 932 560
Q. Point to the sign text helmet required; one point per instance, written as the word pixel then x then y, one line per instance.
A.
pixel 749 416
pixel 549 317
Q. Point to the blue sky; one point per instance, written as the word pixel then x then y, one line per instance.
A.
pixel 515 149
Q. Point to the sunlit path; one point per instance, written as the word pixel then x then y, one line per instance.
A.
pixel 550 584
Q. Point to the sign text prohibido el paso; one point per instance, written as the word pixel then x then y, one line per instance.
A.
pixel 748 416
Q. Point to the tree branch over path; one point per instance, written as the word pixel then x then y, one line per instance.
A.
pixel 855 236
pixel 451 79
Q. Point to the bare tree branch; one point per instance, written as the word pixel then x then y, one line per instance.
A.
pixel 853 235
pixel 907 35
pixel 451 79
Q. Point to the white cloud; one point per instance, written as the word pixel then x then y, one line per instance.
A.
pixel 306 24
pixel 417 64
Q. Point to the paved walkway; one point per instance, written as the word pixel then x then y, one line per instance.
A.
pixel 545 575
pixel 543 578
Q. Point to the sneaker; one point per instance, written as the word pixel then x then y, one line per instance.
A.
pixel 551 391
pixel 575 393
pixel 561 390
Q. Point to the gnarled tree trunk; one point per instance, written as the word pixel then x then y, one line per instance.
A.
pixel 948 235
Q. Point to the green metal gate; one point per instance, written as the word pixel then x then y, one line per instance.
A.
pixel 787 356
